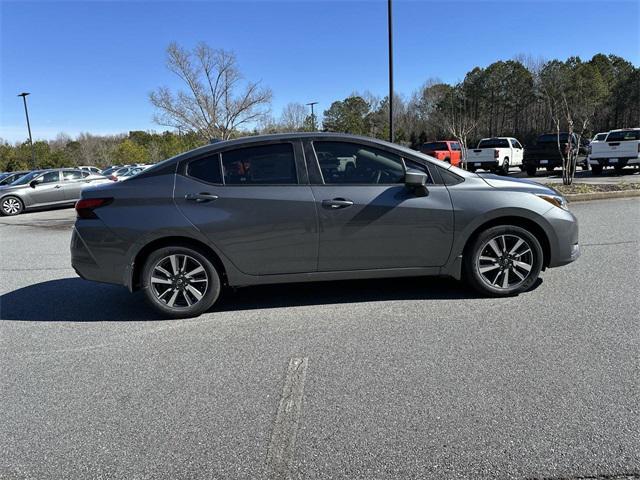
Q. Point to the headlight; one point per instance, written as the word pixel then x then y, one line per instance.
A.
pixel 555 200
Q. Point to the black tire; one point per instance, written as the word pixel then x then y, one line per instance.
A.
pixel 448 160
pixel 471 169
pixel 531 171
pixel 10 206
pixel 522 168
pixel 550 169
pixel 596 169
pixel 529 253
pixel 504 169
pixel 208 289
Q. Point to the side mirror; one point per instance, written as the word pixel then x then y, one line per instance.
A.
pixel 33 183
pixel 416 181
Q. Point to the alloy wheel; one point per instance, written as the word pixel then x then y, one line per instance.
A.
pixel 505 261
pixel 179 281
pixel 11 206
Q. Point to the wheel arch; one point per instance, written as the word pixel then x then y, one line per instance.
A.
pixel 174 241
pixel 530 225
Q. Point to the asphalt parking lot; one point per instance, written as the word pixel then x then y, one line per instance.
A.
pixel 411 378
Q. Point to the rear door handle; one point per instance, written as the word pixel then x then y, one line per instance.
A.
pixel 200 197
pixel 337 203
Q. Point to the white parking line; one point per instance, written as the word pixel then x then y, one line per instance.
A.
pixel 285 429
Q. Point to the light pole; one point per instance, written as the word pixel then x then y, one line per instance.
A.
pixel 390 22
pixel 313 117
pixel 26 112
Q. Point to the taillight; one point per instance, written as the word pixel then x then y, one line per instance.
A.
pixel 496 153
pixel 85 207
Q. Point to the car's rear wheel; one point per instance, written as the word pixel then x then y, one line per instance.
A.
pixel 504 170
pixel 180 282
pixel 596 169
pixel 11 206
pixel 503 260
pixel 531 171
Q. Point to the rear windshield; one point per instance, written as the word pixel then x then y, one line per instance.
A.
pixel 494 143
pixel 430 147
pixel 553 138
pixel 624 136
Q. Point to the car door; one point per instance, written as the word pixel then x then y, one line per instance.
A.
pixel 518 152
pixel 369 219
pixel 255 205
pixel 47 189
pixel 72 183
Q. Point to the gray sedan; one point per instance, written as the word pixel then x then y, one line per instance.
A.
pixel 277 208
pixel 45 188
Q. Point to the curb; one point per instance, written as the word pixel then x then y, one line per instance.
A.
pixel 583 197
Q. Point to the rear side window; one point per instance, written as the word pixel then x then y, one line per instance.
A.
pixel 206 169
pixel 71 175
pixel 263 165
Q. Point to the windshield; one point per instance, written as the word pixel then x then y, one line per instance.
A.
pixel 432 146
pixel 599 137
pixel 26 178
pixel 494 143
pixel 624 136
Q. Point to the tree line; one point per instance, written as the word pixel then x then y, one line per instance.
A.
pixel 521 97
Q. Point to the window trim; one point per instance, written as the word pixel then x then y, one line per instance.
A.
pixel 295 148
pixel 45 173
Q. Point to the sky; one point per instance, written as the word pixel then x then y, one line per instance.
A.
pixel 90 65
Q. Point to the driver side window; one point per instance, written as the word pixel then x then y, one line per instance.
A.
pixel 352 163
pixel 50 177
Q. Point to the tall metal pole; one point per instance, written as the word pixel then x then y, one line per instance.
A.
pixel 390 20
pixel 313 117
pixel 26 112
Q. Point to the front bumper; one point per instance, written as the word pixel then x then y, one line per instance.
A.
pixel 564 244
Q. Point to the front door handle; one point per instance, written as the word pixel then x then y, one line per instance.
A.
pixel 337 203
pixel 57 186
pixel 200 197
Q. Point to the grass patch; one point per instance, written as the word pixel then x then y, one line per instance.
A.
pixel 593 187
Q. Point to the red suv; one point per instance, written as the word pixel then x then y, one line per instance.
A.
pixel 446 150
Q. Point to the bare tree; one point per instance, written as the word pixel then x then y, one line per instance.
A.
pixel 293 117
pixel 458 120
pixel 215 102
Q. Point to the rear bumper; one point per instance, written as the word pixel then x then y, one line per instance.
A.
pixel 615 162
pixel 84 247
pixel 487 164
pixel 542 162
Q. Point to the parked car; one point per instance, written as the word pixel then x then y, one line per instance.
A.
pixel 45 188
pixel 446 150
pixel 619 149
pixel 495 154
pixel 544 153
pixel 90 168
pixel 263 210
pixel 109 170
pixel 10 177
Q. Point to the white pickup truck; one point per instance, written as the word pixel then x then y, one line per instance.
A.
pixel 619 149
pixel 495 154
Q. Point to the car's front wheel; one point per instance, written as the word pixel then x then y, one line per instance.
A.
pixel 180 282
pixel 11 206
pixel 503 260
